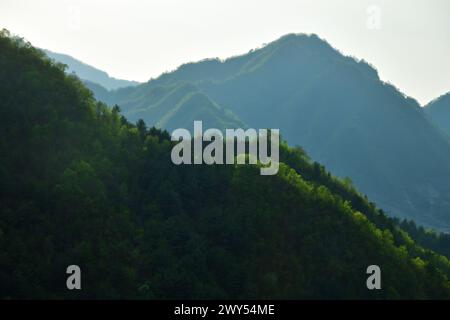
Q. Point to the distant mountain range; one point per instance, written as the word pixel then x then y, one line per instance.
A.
pixel 87 72
pixel 439 111
pixel 334 106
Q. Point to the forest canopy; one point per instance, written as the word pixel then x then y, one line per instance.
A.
pixel 82 185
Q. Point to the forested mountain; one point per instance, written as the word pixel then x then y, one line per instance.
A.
pixel 439 112
pixel 82 185
pixel 171 106
pixel 335 107
pixel 89 73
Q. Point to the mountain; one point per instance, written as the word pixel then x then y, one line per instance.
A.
pixel 82 185
pixel 439 112
pixel 89 73
pixel 339 111
pixel 169 106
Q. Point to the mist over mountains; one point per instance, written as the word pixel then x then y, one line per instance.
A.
pixel 87 72
pixel 334 106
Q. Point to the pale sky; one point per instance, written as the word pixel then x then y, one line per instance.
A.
pixel 408 41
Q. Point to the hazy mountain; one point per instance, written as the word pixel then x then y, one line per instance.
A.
pixel 439 112
pixel 335 107
pixel 81 185
pixel 171 106
pixel 87 72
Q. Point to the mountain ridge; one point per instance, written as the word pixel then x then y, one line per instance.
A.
pixel 339 110
pixel 439 112
pixel 87 72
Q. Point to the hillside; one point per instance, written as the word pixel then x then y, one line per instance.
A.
pixel 170 106
pixel 89 73
pixel 439 112
pixel 81 185
pixel 339 110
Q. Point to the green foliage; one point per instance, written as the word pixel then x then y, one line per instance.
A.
pixel 171 106
pixel 81 185
pixel 334 106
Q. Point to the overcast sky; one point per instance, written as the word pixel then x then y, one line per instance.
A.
pixel 408 41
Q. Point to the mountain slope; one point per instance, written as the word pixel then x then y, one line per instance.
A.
pixel 87 72
pixel 341 113
pixel 81 185
pixel 439 112
pixel 171 106
pixel 345 118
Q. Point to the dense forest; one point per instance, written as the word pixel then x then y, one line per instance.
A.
pixel 82 185
pixel 335 106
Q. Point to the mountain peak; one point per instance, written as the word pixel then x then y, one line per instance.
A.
pixel 300 36
pixel 442 99
pixel 312 41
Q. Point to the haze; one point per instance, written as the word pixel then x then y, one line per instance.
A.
pixel 407 41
